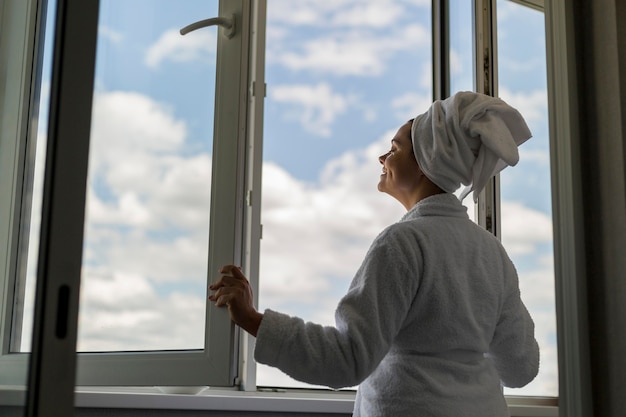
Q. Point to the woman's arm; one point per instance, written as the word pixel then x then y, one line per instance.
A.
pixel 367 318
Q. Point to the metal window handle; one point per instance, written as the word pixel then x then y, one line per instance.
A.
pixel 229 25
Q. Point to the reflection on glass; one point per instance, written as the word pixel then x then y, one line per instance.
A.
pixel 526 212
pixel 147 214
pixel 337 93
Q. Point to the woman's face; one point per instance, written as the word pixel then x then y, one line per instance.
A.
pixel 400 175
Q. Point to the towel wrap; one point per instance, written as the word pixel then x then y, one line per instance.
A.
pixel 466 139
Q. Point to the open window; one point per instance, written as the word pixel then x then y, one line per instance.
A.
pixel 341 79
pixel 190 153
pixel 163 197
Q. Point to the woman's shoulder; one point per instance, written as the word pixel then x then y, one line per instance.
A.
pixel 398 235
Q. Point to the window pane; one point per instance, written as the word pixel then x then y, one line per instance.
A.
pixel 461 46
pixel 147 215
pixel 342 77
pixel 526 212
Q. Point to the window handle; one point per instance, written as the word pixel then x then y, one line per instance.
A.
pixel 227 23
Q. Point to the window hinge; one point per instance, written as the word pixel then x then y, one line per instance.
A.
pixel 249 198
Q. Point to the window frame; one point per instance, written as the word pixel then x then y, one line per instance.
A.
pixel 567 205
pixel 217 364
pixel 569 251
pixel 20 53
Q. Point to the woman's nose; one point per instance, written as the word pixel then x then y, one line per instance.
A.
pixel 382 158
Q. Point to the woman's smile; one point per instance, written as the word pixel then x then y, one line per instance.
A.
pixel 400 172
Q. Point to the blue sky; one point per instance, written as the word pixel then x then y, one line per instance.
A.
pixel 341 77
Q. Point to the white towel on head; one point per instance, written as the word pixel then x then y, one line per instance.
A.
pixel 466 139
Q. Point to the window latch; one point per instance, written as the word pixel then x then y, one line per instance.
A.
pixel 227 23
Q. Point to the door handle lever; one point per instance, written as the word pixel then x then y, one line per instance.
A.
pixel 229 25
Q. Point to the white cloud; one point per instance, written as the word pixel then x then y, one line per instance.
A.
pixel 335 56
pixel 306 12
pixel 353 52
pixel 141 188
pixel 523 228
pixel 127 122
pixel 374 13
pixel 316 106
pixel 533 105
pixel 540 157
pixel 347 37
pixel 538 293
pixel 172 46
pixel 146 226
pixel 378 14
pixel 419 3
pixel 135 143
pixel 410 105
pixel 118 313
pixel 110 34
pixel 316 234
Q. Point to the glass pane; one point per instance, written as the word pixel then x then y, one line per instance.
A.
pixel 461 59
pixel 147 215
pixel 342 77
pixel 461 46
pixel 526 212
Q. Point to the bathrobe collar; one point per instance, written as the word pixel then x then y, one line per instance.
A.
pixel 445 204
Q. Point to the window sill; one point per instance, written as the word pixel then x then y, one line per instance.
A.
pixel 230 400
pixel 214 399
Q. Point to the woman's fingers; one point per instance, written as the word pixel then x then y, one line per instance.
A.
pixel 222 297
pixel 230 275
pixel 232 271
pixel 232 286
pixel 227 294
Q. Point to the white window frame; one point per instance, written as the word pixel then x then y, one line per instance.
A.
pixel 18 54
pixel 569 252
pixel 217 363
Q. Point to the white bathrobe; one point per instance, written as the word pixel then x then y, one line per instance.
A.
pixel 432 323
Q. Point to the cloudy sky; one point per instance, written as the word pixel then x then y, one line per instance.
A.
pixel 342 76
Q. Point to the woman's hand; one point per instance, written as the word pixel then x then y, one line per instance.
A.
pixel 233 290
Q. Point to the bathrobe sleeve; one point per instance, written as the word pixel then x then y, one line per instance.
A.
pixel 514 349
pixel 367 319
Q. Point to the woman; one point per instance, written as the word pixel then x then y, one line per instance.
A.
pixel 432 323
